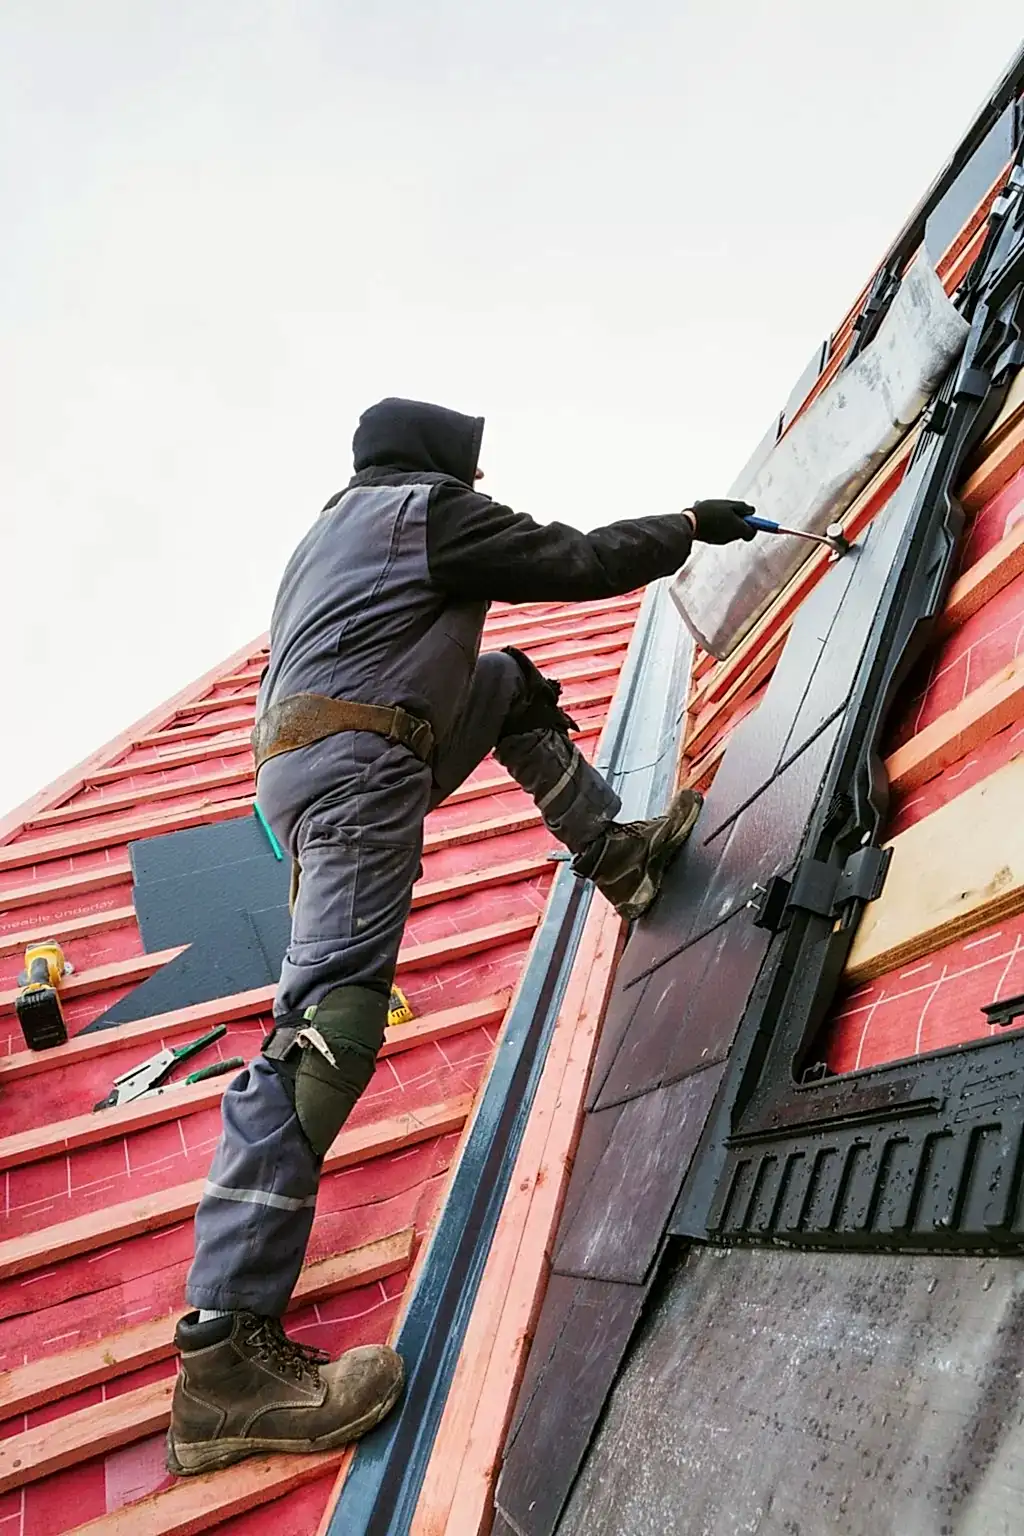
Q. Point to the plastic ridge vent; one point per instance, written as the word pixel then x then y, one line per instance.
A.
pixel 926 1153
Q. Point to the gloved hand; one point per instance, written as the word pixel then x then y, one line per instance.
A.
pixel 720 522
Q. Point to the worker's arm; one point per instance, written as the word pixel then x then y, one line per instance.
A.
pixel 477 548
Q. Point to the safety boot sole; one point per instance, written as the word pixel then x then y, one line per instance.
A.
pixel 681 818
pixel 214 1455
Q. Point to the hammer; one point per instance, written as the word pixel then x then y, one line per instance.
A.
pixel 833 538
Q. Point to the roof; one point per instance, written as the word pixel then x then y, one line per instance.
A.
pixel 95 1236
pixel 945 938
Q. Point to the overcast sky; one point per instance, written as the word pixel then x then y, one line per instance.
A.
pixel 617 228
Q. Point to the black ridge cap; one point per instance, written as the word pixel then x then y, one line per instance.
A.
pixel 382 1489
pixel 926 1152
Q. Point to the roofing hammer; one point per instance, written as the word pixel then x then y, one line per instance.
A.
pixel 833 538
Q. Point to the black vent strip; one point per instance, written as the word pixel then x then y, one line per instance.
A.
pixel 925 1153
pixel 380 1494
pixel 886 280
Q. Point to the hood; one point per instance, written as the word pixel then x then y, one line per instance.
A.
pixel 412 435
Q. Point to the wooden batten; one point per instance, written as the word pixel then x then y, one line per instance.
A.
pixel 957 871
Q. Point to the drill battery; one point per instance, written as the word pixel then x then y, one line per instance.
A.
pixel 38 1003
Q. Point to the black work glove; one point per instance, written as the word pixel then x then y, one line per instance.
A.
pixel 720 522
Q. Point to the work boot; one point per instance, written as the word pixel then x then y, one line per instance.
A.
pixel 244 1387
pixel 628 862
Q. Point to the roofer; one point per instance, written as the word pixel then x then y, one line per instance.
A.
pixel 374 707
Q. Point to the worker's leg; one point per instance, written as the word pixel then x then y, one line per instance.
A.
pixel 243 1386
pixel 359 848
pixel 514 709
pixel 511 710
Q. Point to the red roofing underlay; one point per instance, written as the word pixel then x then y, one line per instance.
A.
pixel 95 1233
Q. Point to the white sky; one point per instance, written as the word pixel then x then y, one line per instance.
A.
pixel 616 229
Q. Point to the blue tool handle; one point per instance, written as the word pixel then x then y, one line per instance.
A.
pixel 762 525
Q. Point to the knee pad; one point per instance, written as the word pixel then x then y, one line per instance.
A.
pixel 539 709
pixel 331 1060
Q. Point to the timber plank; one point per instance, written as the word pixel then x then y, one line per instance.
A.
pixel 57 1376
pixel 130 1218
pixel 38 892
pixel 196 1504
pixel 456 1498
pixel 116 832
pixel 160 1027
pixel 985 579
pixel 1001 453
pixel 958 870
pixel 177 1100
pixel 66 1441
pixel 479 831
pixel 133 764
pixel 999 702
pixel 71 782
pixel 69 928
pixel 197 731
pixel 133 799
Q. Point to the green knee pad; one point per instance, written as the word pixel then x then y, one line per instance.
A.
pixel 340 1040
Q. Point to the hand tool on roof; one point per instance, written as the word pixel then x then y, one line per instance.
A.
pixel 149 1075
pixel 833 538
pixel 38 1005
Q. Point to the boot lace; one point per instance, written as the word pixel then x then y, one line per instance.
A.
pixel 269 1342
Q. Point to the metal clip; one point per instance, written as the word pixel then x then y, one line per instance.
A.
pixel 821 888
pixel 312 1037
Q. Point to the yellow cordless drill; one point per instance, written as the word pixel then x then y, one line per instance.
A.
pixel 38 1004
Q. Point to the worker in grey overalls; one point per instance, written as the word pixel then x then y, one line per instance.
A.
pixel 375 706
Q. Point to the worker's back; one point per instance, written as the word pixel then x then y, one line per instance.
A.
pixel 357 615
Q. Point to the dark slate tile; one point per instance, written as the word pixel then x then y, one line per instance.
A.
pixel 868 565
pixel 228 959
pixel 620 1013
pixel 554 1315
pixel 220 891
pixel 196 848
pixel 694 1004
pixel 670 922
pixel 170 910
pixel 766 838
pixel 552 1435
pixel 759 744
pixel 618 1226
pixel 763 841
pixel 594 1138
pixel 640 1062
pixel 706 1034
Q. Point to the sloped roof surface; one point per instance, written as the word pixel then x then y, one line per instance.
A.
pixel 689 968
pixel 95 1231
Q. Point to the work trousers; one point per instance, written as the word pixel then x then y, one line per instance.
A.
pixel 350 809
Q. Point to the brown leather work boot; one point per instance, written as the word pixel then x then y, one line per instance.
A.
pixel 628 863
pixel 244 1388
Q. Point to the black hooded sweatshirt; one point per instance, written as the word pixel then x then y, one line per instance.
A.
pixel 385 598
pixel 479 548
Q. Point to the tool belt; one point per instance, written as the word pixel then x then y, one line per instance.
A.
pixel 303 718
